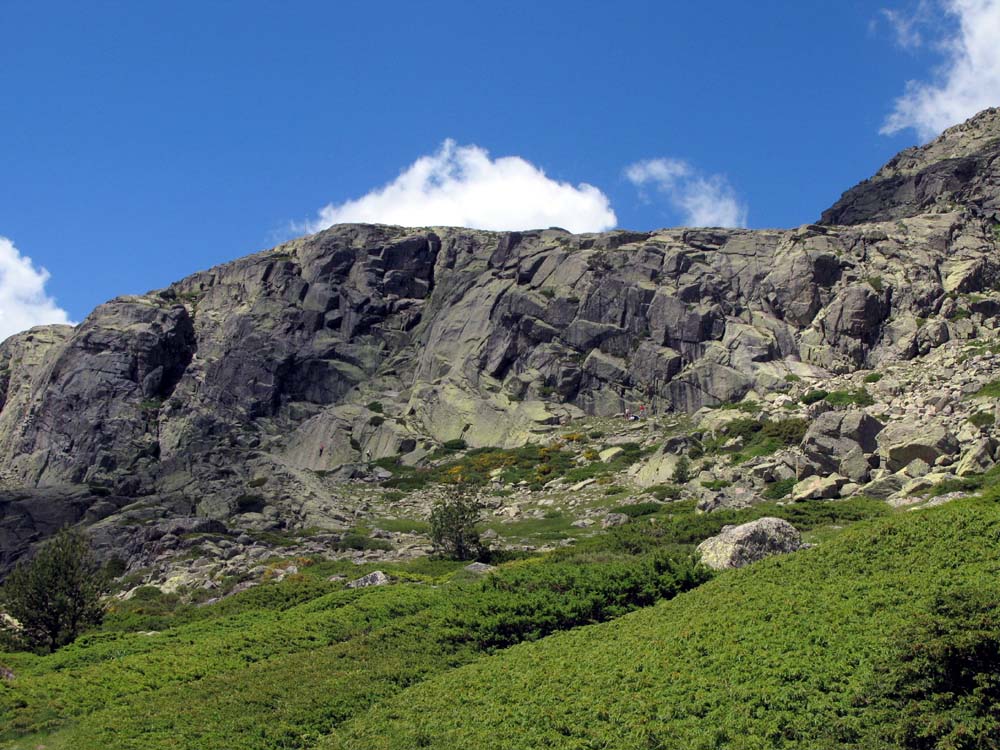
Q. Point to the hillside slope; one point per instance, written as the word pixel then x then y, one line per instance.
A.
pixel 887 637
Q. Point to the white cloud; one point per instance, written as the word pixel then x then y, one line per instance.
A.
pixel 23 301
pixel 967 82
pixel 463 186
pixel 703 201
pixel 908 26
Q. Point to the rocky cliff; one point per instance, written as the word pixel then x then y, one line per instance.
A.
pixel 243 393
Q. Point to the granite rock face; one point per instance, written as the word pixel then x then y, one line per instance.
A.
pixel 233 392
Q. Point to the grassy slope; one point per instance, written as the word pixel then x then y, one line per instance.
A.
pixel 799 651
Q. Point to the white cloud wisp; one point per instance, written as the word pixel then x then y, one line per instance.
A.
pixel 23 300
pixel 703 201
pixel 967 82
pixel 463 186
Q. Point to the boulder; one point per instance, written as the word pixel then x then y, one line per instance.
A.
pixel 978 459
pixel 818 488
pixel 906 440
pixel 614 519
pixel 375 578
pixel 741 545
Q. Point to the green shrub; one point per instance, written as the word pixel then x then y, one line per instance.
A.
pixel 358 540
pixel 983 419
pixel 792 378
pixel 458 444
pixel 663 492
pixel 875 282
pixel 55 595
pixel 811 397
pixel 375 406
pixel 453 526
pixel 377 420
pixel 786 431
pixel 250 503
pixel 857 397
pixel 777 490
pixel 682 471
pixel 873 377
pixel 990 390
pixel 635 510
pixel 940 687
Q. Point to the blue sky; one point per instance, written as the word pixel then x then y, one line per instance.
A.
pixel 140 142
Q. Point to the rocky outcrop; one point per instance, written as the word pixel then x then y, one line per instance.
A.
pixel 958 168
pixel 737 546
pixel 242 393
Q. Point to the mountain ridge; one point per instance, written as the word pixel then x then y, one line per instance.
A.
pixel 242 393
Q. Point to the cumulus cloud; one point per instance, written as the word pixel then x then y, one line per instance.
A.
pixel 969 79
pixel 23 301
pixel 463 186
pixel 702 200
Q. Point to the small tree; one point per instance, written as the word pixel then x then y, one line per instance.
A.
pixel 453 525
pixel 56 594
pixel 682 471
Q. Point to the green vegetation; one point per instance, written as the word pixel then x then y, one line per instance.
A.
pixel 754 438
pixel 453 526
pixel 636 510
pixel 360 540
pixel 781 488
pixel 682 471
pixel 792 378
pixel 664 492
pixel 856 397
pixel 283 665
pixel 375 406
pixel 875 282
pixel 983 419
pixel 55 595
pixel 811 397
pixel 989 482
pixel 990 390
pixel 873 377
pixel 886 636
pixel 747 407
pixel 534 465
pixel 455 445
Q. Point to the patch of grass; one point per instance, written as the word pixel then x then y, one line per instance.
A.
pixel 856 397
pixel 811 397
pixel 873 377
pixel 779 489
pixel 664 492
pixel 375 406
pixel 747 407
pixel 636 510
pixel 875 282
pixel 983 419
pixel 990 390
